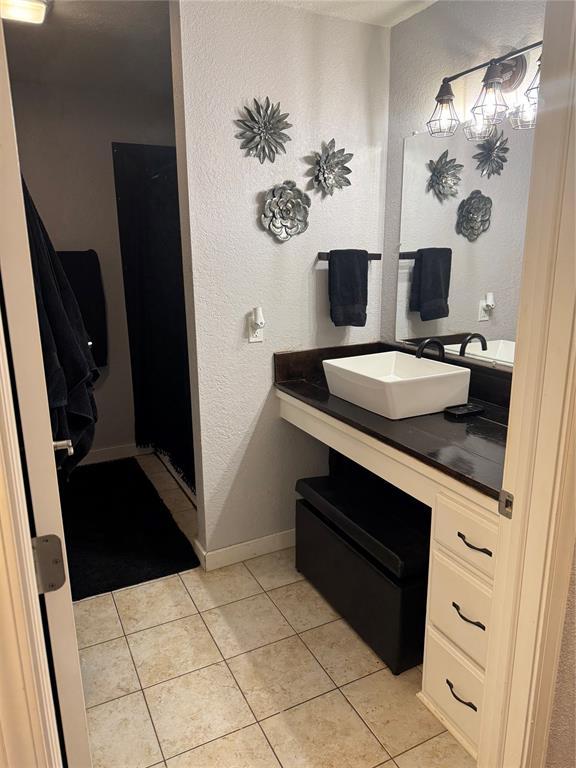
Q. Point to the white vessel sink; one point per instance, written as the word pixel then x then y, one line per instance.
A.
pixel 397 385
pixel 499 350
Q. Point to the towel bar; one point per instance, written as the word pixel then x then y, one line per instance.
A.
pixel 325 256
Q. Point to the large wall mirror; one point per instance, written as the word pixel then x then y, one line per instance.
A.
pixel 475 208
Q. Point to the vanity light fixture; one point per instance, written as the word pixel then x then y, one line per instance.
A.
pixel 444 120
pixel 30 11
pixel 504 73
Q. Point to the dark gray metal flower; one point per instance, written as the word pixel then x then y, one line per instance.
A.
pixel 330 169
pixel 285 211
pixel 492 155
pixel 263 130
pixel 474 215
pixel 444 179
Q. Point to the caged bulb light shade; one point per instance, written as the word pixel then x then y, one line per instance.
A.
pixel 491 106
pixel 444 120
pixel 534 87
pixel 478 129
pixel 523 117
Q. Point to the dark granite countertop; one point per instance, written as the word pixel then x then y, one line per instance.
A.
pixel 471 451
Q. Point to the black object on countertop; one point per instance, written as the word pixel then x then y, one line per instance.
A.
pixel 348 287
pixel 431 283
pixel 460 412
pixel 83 271
pixel 374 542
pixel 118 531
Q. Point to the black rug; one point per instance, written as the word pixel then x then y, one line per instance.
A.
pixel 118 530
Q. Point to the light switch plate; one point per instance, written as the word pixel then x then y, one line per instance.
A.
pixel 483 313
pixel 256 335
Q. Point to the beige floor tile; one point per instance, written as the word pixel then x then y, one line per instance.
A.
pixel 163 481
pixel 343 654
pixel 274 570
pixel 187 521
pixel 196 708
pixel 151 464
pixel 122 735
pixel 303 606
pixel 323 733
pixel 279 676
pixel 211 589
pixel 107 672
pixel 247 748
pixel 152 603
pixel 172 649
pixel 389 705
pixel 175 499
pixel 440 752
pixel 247 624
pixel 96 620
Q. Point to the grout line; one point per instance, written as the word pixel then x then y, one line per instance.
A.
pixel 142 690
pixel 215 607
pixel 405 751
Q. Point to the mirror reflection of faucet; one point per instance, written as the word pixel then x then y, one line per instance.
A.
pixel 486 306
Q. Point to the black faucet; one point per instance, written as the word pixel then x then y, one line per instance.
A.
pixel 431 342
pixel 469 338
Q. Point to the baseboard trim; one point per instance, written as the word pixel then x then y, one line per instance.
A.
pixel 187 490
pixel 114 452
pixel 217 558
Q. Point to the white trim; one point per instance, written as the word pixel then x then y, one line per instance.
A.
pixel 218 558
pixel 115 452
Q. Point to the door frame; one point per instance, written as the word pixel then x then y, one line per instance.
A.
pixel 23 337
pixel 536 545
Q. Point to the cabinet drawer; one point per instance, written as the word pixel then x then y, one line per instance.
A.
pixel 459 606
pixel 453 685
pixel 465 533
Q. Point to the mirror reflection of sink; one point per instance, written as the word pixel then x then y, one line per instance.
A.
pixel 397 385
pixel 499 350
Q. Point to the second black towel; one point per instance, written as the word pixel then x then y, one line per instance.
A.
pixel 348 287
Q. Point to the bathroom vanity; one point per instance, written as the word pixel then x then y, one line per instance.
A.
pixel 455 468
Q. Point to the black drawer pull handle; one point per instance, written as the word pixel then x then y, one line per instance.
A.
pixel 466 703
pixel 466 619
pixel 472 546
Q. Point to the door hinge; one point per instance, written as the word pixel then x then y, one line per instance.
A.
pixel 505 504
pixel 48 563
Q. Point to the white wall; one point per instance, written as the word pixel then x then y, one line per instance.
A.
pixel 331 75
pixel 444 39
pixel 493 262
pixel 64 138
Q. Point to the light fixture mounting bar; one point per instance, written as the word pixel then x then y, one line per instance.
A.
pixel 498 60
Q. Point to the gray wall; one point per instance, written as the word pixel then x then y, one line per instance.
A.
pixel 442 40
pixel 64 139
pixel 331 75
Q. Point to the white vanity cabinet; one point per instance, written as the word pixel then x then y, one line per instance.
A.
pixel 463 552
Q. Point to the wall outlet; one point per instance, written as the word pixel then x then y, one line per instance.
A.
pixel 255 335
pixel 483 313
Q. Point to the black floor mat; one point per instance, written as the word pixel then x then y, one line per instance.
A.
pixel 118 530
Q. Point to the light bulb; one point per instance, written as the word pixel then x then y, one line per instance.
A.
pixel 523 118
pixel 491 106
pixel 31 11
pixel 478 129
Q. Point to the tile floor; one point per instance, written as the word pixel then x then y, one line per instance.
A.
pixel 245 667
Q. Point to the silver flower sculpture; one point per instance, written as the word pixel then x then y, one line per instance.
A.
pixel 263 130
pixel 330 169
pixel 474 215
pixel 444 179
pixel 492 155
pixel 285 211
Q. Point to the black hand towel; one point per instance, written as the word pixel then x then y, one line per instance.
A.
pixel 431 283
pixel 348 287
pixel 83 272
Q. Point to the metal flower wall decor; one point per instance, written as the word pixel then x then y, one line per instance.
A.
pixel 330 169
pixel 444 177
pixel 285 211
pixel 492 155
pixel 474 215
pixel 263 130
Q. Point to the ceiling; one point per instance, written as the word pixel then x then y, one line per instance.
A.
pixel 95 41
pixel 127 42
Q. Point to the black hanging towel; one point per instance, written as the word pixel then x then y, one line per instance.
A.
pixel 149 224
pixel 68 364
pixel 431 283
pixel 348 287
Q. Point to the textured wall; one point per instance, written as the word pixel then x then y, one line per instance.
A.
pixel 332 76
pixel 64 139
pixel 562 737
pixel 443 39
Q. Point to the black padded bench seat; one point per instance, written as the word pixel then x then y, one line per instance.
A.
pixel 364 546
